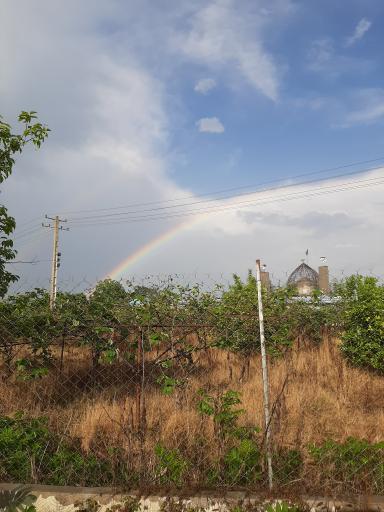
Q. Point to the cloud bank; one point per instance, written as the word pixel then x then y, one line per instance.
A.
pixel 88 69
pixel 222 36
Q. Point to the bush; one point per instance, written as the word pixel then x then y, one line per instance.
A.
pixel 29 452
pixel 23 443
pixel 242 463
pixel 287 465
pixel 363 319
pixel 171 466
pixel 356 462
pixel 68 465
pixel 236 318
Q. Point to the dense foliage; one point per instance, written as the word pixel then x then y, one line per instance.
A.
pixel 119 332
pixel 180 319
pixel 11 144
pixel 31 452
pixel 363 322
pixel 113 320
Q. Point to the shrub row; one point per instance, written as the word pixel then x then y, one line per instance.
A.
pixel 31 452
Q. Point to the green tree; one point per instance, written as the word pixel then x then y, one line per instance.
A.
pixel 107 295
pixel 102 324
pixel 26 316
pixel 11 144
pixel 237 322
pixel 363 321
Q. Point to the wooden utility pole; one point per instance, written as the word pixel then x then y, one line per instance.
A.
pixel 264 367
pixel 55 256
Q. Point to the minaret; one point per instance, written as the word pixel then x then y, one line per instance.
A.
pixel 324 277
pixel 265 281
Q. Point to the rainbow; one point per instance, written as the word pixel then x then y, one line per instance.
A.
pixel 147 248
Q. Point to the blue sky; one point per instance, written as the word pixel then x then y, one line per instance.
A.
pixel 155 100
pixel 319 86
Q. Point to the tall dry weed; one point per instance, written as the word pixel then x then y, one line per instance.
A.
pixel 315 395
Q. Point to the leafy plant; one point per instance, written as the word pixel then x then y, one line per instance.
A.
pixel 10 144
pixel 282 506
pixel 287 465
pixel 363 322
pixel 221 408
pixel 23 441
pixel 68 464
pixel 236 317
pixel 169 384
pixel 19 499
pixel 242 463
pixel 30 451
pixel 355 461
pixel 171 467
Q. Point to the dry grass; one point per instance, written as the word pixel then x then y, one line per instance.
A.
pixel 323 398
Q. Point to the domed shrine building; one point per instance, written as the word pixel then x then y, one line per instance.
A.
pixel 305 279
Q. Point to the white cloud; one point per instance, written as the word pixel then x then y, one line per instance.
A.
pixel 365 106
pixel 356 107
pixel 204 85
pixel 210 125
pixel 223 36
pixel 361 29
pixel 320 53
pixel 225 241
pixel 323 56
pixel 110 146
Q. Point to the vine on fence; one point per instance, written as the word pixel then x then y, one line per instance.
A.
pixel 175 320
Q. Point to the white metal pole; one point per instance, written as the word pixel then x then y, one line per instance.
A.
pixel 264 366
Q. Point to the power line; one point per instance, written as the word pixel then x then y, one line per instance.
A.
pixel 120 214
pixel 107 220
pixel 33 262
pixel 23 224
pixel 26 231
pixel 357 184
pixel 29 232
pixel 242 204
pixel 223 191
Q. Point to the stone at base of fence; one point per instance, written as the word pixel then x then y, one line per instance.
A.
pixel 63 499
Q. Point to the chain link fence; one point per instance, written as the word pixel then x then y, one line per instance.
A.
pixel 129 396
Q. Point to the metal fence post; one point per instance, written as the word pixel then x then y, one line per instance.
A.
pixel 264 366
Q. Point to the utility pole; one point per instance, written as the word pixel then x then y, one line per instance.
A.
pixel 55 264
pixel 264 367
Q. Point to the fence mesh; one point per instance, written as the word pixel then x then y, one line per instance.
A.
pixel 146 393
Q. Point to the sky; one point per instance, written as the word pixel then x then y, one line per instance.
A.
pixel 158 106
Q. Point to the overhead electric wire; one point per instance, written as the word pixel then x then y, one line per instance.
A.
pixel 291 185
pixel 223 191
pixel 30 231
pixel 24 231
pixel 23 224
pixel 33 262
pixel 27 237
pixel 127 215
pixel 357 184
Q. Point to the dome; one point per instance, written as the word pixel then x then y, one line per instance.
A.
pixel 303 272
